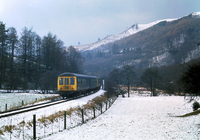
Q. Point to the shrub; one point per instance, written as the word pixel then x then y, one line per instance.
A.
pixel 1 132
pixel 195 105
pixel 99 100
pixel 89 105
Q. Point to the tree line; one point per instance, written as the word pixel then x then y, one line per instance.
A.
pixel 181 79
pixel 29 61
pixel 122 79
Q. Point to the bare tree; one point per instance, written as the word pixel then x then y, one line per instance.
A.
pixel 152 79
pixel 115 81
pixel 128 76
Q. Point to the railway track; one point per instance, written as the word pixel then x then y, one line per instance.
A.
pixel 37 106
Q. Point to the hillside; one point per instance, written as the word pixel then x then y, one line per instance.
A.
pixel 135 28
pixel 164 43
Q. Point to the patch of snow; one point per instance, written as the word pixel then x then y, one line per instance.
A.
pixel 146 118
pixel 193 54
pixel 178 41
pixel 196 14
pixel 160 58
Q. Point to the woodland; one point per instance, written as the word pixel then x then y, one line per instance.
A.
pixel 28 61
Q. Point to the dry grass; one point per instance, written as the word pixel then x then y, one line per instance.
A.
pixel 29 124
pixel 190 114
pixel 51 118
pixel 1 132
pixel 9 128
pixel 48 98
pixel 43 120
pixel 61 113
pixel 22 123
pixel 89 105
pixel 71 110
pixel 99 100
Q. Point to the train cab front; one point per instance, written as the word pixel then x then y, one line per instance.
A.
pixel 66 85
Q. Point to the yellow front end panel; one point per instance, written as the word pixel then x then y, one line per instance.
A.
pixel 67 83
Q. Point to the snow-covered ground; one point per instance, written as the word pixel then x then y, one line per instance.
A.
pixel 139 118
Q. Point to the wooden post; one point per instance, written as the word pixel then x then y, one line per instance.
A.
pixel 94 112
pixel 106 104
pixel 65 120
pixel 101 108
pixel 6 108
pixel 82 115
pixel 22 102
pixel 34 127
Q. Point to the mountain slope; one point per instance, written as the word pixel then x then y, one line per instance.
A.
pixel 112 38
pixel 164 43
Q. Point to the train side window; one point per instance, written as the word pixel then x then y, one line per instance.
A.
pixel 72 81
pixel 79 81
pixel 66 81
pixel 61 81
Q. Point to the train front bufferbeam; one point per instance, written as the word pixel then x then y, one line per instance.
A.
pixel 73 84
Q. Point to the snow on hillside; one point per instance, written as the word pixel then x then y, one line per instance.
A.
pixel 130 31
pixel 196 14
pixel 139 118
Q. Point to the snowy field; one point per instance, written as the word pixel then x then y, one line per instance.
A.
pixel 15 99
pixel 139 118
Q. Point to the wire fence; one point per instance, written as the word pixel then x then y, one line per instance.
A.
pixel 63 120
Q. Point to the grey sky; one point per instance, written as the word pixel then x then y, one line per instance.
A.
pixel 87 20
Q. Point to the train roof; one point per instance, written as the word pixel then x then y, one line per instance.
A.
pixel 77 75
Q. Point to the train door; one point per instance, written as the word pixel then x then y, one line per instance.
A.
pixel 73 83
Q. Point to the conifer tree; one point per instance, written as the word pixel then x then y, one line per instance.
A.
pixel 3 53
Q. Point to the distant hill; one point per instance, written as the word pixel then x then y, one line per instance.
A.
pixel 160 43
pixel 135 28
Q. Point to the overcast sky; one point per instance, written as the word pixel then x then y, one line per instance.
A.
pixel 85 21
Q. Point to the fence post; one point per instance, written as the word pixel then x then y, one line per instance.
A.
pixel 34 127
pixel 22 102
pixel 106 105
pixel 101 107
pixel 94 112
pixel 82 115
pixel 65 120
pixel 6 108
